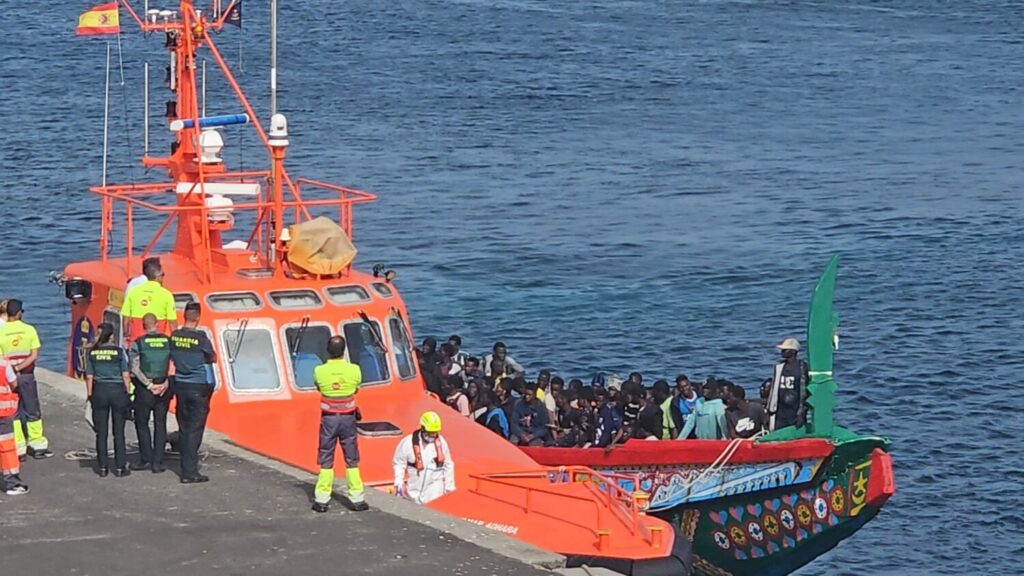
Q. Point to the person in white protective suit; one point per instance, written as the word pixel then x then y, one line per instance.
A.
pixel 423 465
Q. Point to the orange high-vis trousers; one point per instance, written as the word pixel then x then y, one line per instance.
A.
pixel 9 465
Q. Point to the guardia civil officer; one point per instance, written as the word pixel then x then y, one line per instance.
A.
pixel 788 389
pixel 107 384
pixel 338 381
pixel 150 358
pixel 192 352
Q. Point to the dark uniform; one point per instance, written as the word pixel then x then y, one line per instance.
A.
pixel 150 361
pixel 106 364
pixel 338 381
pixel 191 352
pixel 790 385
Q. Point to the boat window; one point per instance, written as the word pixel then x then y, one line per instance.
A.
pixel 295 299
pixel 251 363
pixel 347 294
pixel 114 317
pixel 181 299
pixel 364 351
pixel 234 301
pixel 307 349
pixel 383 289
pixel 403 348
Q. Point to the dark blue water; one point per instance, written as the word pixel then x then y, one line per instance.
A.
pixel 614 184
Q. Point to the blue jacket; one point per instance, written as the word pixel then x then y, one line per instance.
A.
pixel 530 418
pixel 609 420
pixel 502 422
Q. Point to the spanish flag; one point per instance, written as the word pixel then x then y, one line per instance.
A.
pixel 100 19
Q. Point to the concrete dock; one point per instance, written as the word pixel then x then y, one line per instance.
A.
pixel 253 517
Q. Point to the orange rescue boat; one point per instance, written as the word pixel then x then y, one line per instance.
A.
pixel 276 281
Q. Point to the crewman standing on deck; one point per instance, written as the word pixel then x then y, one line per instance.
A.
pixel 19 345
pixel 788 390
pixel 192 354
pixel 338 381
pixel 148 297
pixel 10 467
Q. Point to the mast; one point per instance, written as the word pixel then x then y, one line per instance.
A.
pixel 207 196
pixel 273 57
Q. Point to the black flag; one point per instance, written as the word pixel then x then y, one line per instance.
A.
pixel 234 15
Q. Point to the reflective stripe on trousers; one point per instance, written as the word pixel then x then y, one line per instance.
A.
pixel 338 429
pixel 30 413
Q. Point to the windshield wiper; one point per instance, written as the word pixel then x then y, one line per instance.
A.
pixel 377 336
pixel 233 354
pixel 298 336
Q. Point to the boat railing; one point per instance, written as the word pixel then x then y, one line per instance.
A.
pixel 626 508
pixel 191 201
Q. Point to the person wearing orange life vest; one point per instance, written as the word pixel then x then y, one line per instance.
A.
pixel 338 381
pixel 423 465
pixel 148 297
pixel 10 466
pixel 19 346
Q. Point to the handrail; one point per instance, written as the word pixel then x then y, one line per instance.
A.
pixel 622 504
pixel 194 204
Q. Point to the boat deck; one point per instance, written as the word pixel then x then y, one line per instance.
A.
pixel 252 518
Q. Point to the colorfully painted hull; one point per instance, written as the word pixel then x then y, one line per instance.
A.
pixel 772 508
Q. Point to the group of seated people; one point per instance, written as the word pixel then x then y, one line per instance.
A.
pixel 548 411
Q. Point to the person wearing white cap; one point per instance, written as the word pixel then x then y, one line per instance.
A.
pixel 788 389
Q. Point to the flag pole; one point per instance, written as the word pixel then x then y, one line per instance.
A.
pixel 106 115
pixel 145 109
pixel 273 57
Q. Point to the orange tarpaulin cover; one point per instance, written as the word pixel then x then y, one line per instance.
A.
pixel 320 246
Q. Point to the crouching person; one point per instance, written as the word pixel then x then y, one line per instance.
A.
pixel 423 465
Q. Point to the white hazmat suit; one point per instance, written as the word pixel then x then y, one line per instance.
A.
pixel 434 480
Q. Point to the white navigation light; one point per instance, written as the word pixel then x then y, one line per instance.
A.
pixel 210 145
pixel 220 210
pixel 278 131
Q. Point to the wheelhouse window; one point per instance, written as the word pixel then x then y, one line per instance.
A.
pixel 366 349
pixel 343 295
pixel 234 301
pixel 251 362
pixel 291 299
pixel 182 299
pixel 307 349
pixel 402 345
pixel 383 289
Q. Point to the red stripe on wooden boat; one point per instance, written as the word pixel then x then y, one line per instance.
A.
pixel 680 452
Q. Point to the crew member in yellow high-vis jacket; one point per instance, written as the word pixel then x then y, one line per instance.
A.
pixel 19 346
pixel 338 381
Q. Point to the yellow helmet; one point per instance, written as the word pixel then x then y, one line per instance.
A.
pixel 430 422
